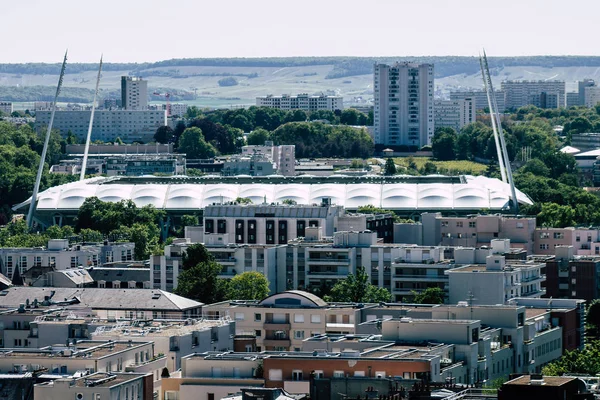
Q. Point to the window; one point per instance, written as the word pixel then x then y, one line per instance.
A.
pixel 299 335
pixel 558 235
pixel 258 332
pixel 361 373
pixel 296 375
pixel 520 225
pixel 459 224
pixel 444 223
pixel 299 318
pixel 472 224
pixel 239 316
pixel 544 246
pixel 275 375
pixel 338 374
pixel 319 374
pixel 257 317
pixel 315 319
pixel 544 235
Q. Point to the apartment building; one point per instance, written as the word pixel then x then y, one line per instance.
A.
pixel 582 86
pixel 403 104
pixel 569 276
pixel 213 375
pixel 283 320
pixel 592 96
pixel 134 93
pixel 301 102
pixel 97 386
pixel 480 98
pixel 129 125
pixel 283 157
pixel 584 241
pixel 178 109
pixel 470 231
pixel 454 114
pixel 6 107
pixel 543 94
pixel 256 165
pixel 572 99
pixel 498 281
pixel 61 255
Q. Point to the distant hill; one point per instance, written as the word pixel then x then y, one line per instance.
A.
pixel 196 80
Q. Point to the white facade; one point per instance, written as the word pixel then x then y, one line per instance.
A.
pixel 301 102
pixel 544 94
pixel 134 93
pixel 403 110
pixel 454 113
pixel 130 126
pixel 6 107
pixel 582 86
pixel 178 109
pixel 591 96
pixel 480 98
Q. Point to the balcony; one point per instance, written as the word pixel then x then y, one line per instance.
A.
pixel 328 261
pixel 533 278
pixel 534 293
pixel 277 326
pixel 273 342
pixel 427 278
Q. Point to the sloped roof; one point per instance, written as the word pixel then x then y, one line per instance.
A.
pixel 95 298
pixel 120 274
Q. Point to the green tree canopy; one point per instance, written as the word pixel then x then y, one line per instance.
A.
pixel 249 285
pixel 164 134
pixel 193 144
pixel 194 255
pixel 259 137
pixel 356 288
pixel 443 144
pixel 432 295
pixel 201 283
pixel 390 167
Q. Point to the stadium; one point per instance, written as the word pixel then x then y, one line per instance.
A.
pixel 408 196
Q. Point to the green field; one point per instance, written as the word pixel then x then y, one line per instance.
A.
pixel 444 167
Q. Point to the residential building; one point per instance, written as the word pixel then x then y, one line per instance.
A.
pixel 99 385
pixel 537 386
pixel 61 255
pixel 403 107
pixel 134 93
pixel 592 96
pixel 585 141
pixel 282 321
pixel 572 277
pixel 498 281
pixel 480 98
pixel 582 86
pixel 108 104
pixel 129 304
pixel 252 166
pixel 301 102
pixel 128 125
pixel 283 156
pixel 454 114
pixel 468 231
pixel 178 109
pixel 213 375
pixel 543 94
pixel 584 241
pixel 120 277
pixel 6 107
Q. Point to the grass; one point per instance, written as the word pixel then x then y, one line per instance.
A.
pixel 443 167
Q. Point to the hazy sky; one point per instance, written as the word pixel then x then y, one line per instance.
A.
pixel 151 30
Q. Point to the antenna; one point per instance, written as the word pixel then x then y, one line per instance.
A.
pixel 89 133
pixel 36 186
pixel 513 194
pixel 493 121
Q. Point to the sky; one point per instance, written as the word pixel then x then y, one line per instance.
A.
pixel 153 30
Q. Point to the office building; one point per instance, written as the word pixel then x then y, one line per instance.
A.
pixel 403 107
pixel 128 125
pixel 454 114
pixel 543 94
pixel 582 86
pixel 134 93
pixel 480 98
pixel 301 102
pixel 498 281
pixel 6 107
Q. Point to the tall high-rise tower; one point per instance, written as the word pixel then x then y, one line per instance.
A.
pixel 134 93
pixel 403 111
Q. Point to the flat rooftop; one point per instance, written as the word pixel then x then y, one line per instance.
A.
pixel 525 380
pixel 96 349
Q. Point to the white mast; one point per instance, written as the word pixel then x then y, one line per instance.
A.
pixel 89 133
pixel 513 193
pixel 493 122
pixel 38 179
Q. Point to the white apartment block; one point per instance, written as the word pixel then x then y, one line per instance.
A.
pixel 301 102
pixel 134 93
pixel 403 109
pixel 96 386
pixel 60 255
pixel 283 156
pixel 6 107
pixel 454 113
pixel 543 94
pixel 591 96
pixel 480 98
pixel 130 126
pixel 178 109
pixel 498 281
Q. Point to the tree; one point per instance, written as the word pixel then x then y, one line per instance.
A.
pixel 432 295
pixel 428 168
pixel 356 288
pixel 593 316
pixel 192 143
pixel 536 167
pixel 390 167
pixel 586 361
pixel 556 216
pixel 243 200
pixel 201 283
pixel 249 285
pixel 164 134
pixel 443 144
pixel 258 137
pixel 289 202
pixel 194 255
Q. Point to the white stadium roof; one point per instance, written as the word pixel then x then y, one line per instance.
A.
pixel 184 193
